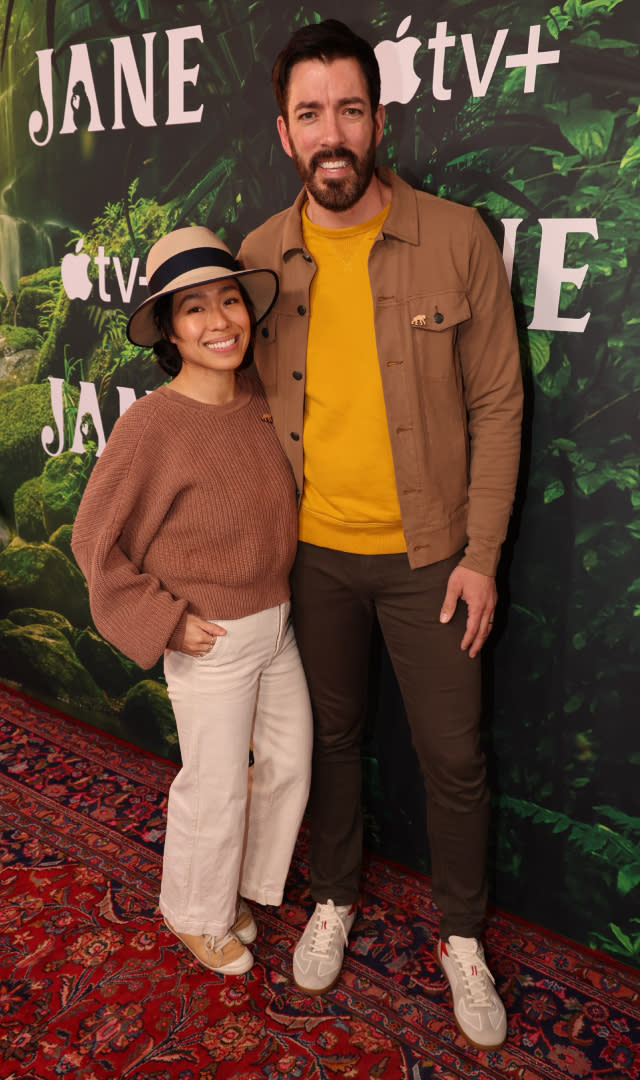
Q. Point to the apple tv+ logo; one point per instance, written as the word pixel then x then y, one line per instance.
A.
pixel 77 284
pixel 399 81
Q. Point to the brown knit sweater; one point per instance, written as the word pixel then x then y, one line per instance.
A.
pixel 190 508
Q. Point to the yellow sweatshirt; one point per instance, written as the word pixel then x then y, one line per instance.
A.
pixel 350 501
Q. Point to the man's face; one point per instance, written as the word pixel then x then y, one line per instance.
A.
pixel 329 131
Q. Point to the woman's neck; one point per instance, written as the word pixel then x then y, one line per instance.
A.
pixel 211 388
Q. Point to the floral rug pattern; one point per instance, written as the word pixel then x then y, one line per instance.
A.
pixel 93 986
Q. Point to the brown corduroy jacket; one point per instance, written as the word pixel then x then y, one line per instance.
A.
pixel 449 362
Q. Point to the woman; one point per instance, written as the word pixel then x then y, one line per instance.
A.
pixel 186 534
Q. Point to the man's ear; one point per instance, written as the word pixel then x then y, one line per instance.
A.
pixel 284 135
pixel 378 123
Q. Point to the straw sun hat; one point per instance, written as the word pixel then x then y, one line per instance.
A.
pixel 194 256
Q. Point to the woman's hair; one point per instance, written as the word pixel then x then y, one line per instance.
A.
pixel 168 354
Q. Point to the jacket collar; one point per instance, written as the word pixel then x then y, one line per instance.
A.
pixel 401 221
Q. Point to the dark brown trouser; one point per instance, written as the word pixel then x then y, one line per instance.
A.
pixel 336 597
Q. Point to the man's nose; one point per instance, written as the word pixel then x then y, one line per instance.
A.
pixel 331 130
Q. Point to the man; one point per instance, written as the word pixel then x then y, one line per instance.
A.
pixel 391 366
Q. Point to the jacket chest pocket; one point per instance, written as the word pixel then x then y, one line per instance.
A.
pixel 432 321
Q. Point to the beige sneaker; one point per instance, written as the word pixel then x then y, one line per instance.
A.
pixel 224 954
pixel 244 927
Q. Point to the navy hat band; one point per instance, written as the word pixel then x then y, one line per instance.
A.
pixel 194 259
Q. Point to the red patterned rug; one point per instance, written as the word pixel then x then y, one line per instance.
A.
pixel 92 986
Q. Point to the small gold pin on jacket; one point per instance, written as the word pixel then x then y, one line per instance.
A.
pixel 419 320
pixel 267 417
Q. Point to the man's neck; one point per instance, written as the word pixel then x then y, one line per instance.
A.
pixel 375 198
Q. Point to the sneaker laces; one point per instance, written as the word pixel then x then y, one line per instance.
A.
pixel 475 972
pixel 216 944
pixel 326 922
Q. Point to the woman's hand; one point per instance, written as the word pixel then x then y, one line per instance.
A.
pixel 200 636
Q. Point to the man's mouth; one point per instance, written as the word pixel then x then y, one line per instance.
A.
pixel 334 166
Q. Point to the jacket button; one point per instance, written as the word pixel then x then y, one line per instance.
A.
pixel 438 317
pixel 264 331
pixel 294 436
pixel 302 309
pixel 297 374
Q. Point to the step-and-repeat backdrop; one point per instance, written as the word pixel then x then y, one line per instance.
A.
pixel 121 120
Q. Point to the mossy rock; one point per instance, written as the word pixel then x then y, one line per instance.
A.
pixel 5 534
pixel 112 671
pixel 61 539
pixel 44 277
pixel 148 719
pixel 25 412
pixel 40 576
pixel 17 368
pixel 41 659
pixel 64 479
pixel 17 338
pixel 38 617
pixel 27 510
pixel 30 301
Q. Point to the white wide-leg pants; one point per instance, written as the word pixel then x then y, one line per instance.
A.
pixel 231 829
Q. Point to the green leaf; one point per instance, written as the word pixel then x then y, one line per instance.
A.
pixel 586 128
pixel 553 491
pixel 622 937
pixel 628 878
pixel 540 350
pixel 632 156
pixel 563 444
pixel 591 482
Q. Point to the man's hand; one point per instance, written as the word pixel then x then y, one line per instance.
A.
pixel 480 595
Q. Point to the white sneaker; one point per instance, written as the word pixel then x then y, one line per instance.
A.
pixel 318 956
pixel 244 928
pixel 479 1013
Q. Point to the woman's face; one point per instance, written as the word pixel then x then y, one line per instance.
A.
pixel 211 326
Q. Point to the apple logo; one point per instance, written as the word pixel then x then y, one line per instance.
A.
pixel 75 279
pixel 399 81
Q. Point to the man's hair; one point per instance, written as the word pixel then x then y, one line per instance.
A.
pixel 168 354
pixel 326 41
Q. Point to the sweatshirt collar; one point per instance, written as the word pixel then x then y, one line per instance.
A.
pixel 401 221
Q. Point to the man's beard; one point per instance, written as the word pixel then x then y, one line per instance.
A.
pixel 339 194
